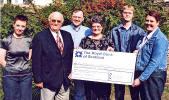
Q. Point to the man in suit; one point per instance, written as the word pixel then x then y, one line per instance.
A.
pixel 52 52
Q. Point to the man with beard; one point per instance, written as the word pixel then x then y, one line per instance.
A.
pixel 78 32
pixel 125 38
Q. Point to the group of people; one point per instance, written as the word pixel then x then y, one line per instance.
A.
pixel 51 51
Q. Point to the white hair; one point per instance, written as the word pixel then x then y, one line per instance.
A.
pixel 56 13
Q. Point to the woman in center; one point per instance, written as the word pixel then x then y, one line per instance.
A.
pixel 97 41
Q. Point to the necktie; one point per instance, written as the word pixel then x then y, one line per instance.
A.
pixel 59 43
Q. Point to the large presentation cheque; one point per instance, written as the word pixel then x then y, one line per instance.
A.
pixel 103 66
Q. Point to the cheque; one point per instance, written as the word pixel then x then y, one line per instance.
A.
pixel 103 66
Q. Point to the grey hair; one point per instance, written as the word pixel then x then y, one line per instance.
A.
pixel 56 13
pixel 97 19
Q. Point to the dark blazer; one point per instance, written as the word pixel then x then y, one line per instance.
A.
pixel 48 65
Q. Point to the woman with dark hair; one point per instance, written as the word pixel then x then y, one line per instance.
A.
pixel 97 41
pixel 151 62
pixel 15 53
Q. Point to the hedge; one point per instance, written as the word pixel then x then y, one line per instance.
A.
pixel 110 10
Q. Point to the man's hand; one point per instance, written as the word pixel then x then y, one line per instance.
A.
pixel 39 84
pixel 136 83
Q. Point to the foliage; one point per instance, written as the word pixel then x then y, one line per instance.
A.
pixel 8 13
pixel 110 10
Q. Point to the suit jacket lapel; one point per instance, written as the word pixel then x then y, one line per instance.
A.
pixel 52 41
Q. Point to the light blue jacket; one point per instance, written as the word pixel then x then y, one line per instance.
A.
pixel 152 57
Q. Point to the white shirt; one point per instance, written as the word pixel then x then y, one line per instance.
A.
pixel 146 38
pixel 55 35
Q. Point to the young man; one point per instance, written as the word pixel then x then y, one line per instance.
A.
pixel 52 52
pixel 78 31
pixel 125 37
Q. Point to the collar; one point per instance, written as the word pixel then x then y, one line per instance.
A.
pixel 76 29
pixel 132 27
pixel 151 34
pixel 55 34
pixel 14 34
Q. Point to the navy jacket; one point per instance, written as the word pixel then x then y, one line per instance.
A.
pixel 48 65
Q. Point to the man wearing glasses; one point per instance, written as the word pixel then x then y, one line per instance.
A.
pixel 52 52
pixel 125 38
pixel 78 32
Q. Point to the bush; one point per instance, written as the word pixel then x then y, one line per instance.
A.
pixel 8 13
pixel 110 10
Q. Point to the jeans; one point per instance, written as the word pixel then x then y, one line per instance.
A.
pixel 17 86
pixel 152 88
pixel 79 90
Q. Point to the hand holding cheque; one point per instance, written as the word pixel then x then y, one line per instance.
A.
pixel 103 66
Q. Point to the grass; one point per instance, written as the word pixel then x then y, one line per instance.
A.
pixel 166 90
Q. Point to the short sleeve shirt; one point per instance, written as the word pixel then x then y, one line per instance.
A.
pixel 17 53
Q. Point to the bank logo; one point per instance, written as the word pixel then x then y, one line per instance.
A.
pixel 78 54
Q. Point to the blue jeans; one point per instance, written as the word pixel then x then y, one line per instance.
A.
pixel 79 90
pixel 17 86
pixel 152 88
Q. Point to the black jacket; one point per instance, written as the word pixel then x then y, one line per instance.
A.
pixel 48 65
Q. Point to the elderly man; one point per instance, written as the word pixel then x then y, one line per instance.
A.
pixel 52 51
pixel 78 31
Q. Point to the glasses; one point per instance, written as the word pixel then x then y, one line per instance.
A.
pixel 54 21
pixel 75 17
pixel 127 13
pixel 96 26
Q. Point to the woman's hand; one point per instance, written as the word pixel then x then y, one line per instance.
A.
pixel 30 54
pixel 3 64
pixel 135 51
pixel 2 57
pixel 110 49
pixel 78 47
pixel 136 83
